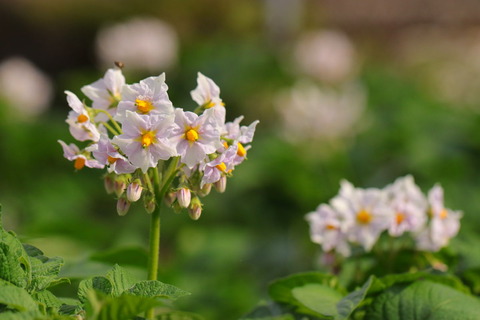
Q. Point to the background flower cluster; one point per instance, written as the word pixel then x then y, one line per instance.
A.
pixel 359 216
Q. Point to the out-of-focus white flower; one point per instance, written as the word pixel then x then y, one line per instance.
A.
pixel 409 204
pixel 80 125
pixel 145 139
pixel 140 43
pixel 24 87
pixel 147 97
pixel 366 213
pixel 320 113
pixel 327 228
pixel 326 55
pixel 105 93
pixel 194 137
pixel 73 153
pixel 444 223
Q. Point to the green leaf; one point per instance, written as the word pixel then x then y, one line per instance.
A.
pixel 47 298
pixel 311 293
pixel 348 304
pixel 423 300
pixel 100 284
pixel 44 273
pixel 318 297
pixel 30 315
pixel 267 310
pixel 154 288
pixel 14 263
pixel 381 284
pixel 17 298
pixel 121 280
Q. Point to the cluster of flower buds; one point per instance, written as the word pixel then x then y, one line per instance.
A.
pixel 143 141
pixel 359 216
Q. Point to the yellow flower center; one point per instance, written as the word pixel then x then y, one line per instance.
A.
pixel 330 227
pixel 209 104
pixel 147 139
pixel 222 167
pixel 143 106
pixel 399 217
pixel 364 217
pixel 111 160
pixel 443 214
pixel 191 135
pixel 82 118
pixel 79 163
pixel 241 152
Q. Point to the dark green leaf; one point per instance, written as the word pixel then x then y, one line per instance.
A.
pixel 100 284
pixel 120 279
pixel 348 304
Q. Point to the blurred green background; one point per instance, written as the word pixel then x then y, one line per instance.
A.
pixel 365 92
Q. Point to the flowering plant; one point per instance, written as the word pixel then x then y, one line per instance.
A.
pixel 152 150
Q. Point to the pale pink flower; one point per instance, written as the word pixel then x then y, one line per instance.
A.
pixel 444 223
pixel 223 164
pixel 241 135
pixel 148 97
pixel 145 139
pixel 207 95
pixel 106 92
pixel 327 228
pixel 79 121
pixel 80 159
pixel 194 137
pixel 366 213
pixel 107 154
pixel 409 205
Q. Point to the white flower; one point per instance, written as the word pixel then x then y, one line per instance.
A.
pixel 311 112
pixel 366 213
pixel 326 55
pixel 80 160
pixel 105 93
pixel 140 43
pixel 79 122
pixel 409 204
pixel 107 154
pixel 327 228
pixel 24 87
pixel 149 96
pixel 145 139
pixel 444 223
pixel 194 137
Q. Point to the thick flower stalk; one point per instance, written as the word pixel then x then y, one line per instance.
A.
pixel 153 151
pixel 358 217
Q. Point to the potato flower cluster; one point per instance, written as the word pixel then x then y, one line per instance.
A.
pixel 143 141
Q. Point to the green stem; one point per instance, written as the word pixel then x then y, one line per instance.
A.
pixel 110 128
pixel 154 251
pixel 115 123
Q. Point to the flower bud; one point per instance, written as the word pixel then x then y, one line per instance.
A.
pixel 119 187
pixel 221 184
pixel 134 190
pixel 170 198
pixel 205 190
pixel 122 206
pixel 183 197
pixel 149 205
pixel 195 208
pixel 109 184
